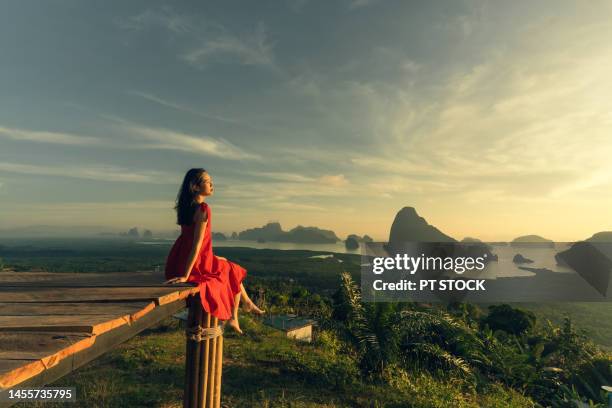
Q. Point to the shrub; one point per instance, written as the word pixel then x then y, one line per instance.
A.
pixel 509 319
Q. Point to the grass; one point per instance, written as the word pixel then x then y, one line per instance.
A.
pixel 594 318
pixel 263 368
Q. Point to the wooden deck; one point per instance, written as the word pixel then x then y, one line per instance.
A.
pixel 53 323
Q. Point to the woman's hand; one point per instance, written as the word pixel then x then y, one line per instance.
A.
pixel 180 279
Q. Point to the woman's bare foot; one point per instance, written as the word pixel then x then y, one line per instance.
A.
pixel 252 308
pixel 233 323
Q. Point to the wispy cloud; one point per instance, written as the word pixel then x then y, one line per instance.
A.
pixel 184 108
pixel 89 172
pixel 204 41
pixel 163 17
pixel 251 49
pixel 522 124
pixel 158 138
pixel 283 176
pixel 93 207
pixel 356 4
pixel 47 137
pixel 337 180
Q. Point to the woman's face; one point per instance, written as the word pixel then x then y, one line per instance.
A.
pixel 207 188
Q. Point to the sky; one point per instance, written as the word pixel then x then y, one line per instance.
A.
pixel 492 119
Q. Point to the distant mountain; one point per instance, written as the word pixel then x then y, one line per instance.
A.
pixel 311 235
pixel 365 238
pixel 470 240
pixel 409 226
pixel 604 236
pixel 219 236
pixel 592 260
pixel 352 240
pixel 274 232
pixel 532 241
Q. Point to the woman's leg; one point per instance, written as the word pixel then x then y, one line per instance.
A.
pixel 249 305
pixel 233 322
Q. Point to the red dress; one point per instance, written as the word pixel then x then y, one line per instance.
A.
pixel 218 279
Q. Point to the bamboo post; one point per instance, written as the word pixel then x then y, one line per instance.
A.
pixel 190 370
pixel 218 372
pixel 197 369
pixel 212 366
pixel 204 356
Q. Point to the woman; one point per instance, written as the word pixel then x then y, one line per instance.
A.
pixel 191 258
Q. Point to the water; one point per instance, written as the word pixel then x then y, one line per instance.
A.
pixel 338 247
pixel 543 258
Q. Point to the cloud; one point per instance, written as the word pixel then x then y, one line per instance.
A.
pixel 94 207
pixel 142 137
pixel 204 41
pixel 163 17
pixel 184 108
pixel 89 172
pixel 251 49
pixel 282 176
pixel 48 137
pixel 158 138
pixel 334 180
pixel 528 120
pixel 356 4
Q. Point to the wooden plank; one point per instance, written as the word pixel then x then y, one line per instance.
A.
pixel 17 376
pixel 97 324
pixel 83 309
pixel 15 371
pixel 52 295
pixel 63 279
pixel 48 348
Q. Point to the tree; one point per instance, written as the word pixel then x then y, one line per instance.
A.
pixel 509 319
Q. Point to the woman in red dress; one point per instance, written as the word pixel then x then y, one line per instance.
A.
pixel 191 258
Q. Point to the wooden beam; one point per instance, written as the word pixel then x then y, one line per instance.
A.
pixel 102 344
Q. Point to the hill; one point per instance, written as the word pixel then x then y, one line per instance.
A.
pixel 408 226
pixel 532 241
pixel 604 236
pixel 273 232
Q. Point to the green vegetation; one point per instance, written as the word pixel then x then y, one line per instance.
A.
pixel 364 354
pixel 263 369
pixel 552 366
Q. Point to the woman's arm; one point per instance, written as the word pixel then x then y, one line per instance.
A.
pixel 198 237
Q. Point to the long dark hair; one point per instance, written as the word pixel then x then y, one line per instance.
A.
pixel 186 203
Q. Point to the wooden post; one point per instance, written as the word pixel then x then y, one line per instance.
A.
pixel 203 358
pixel 218 372
pixel 189 361
pixel 197 370
pixel 211 367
